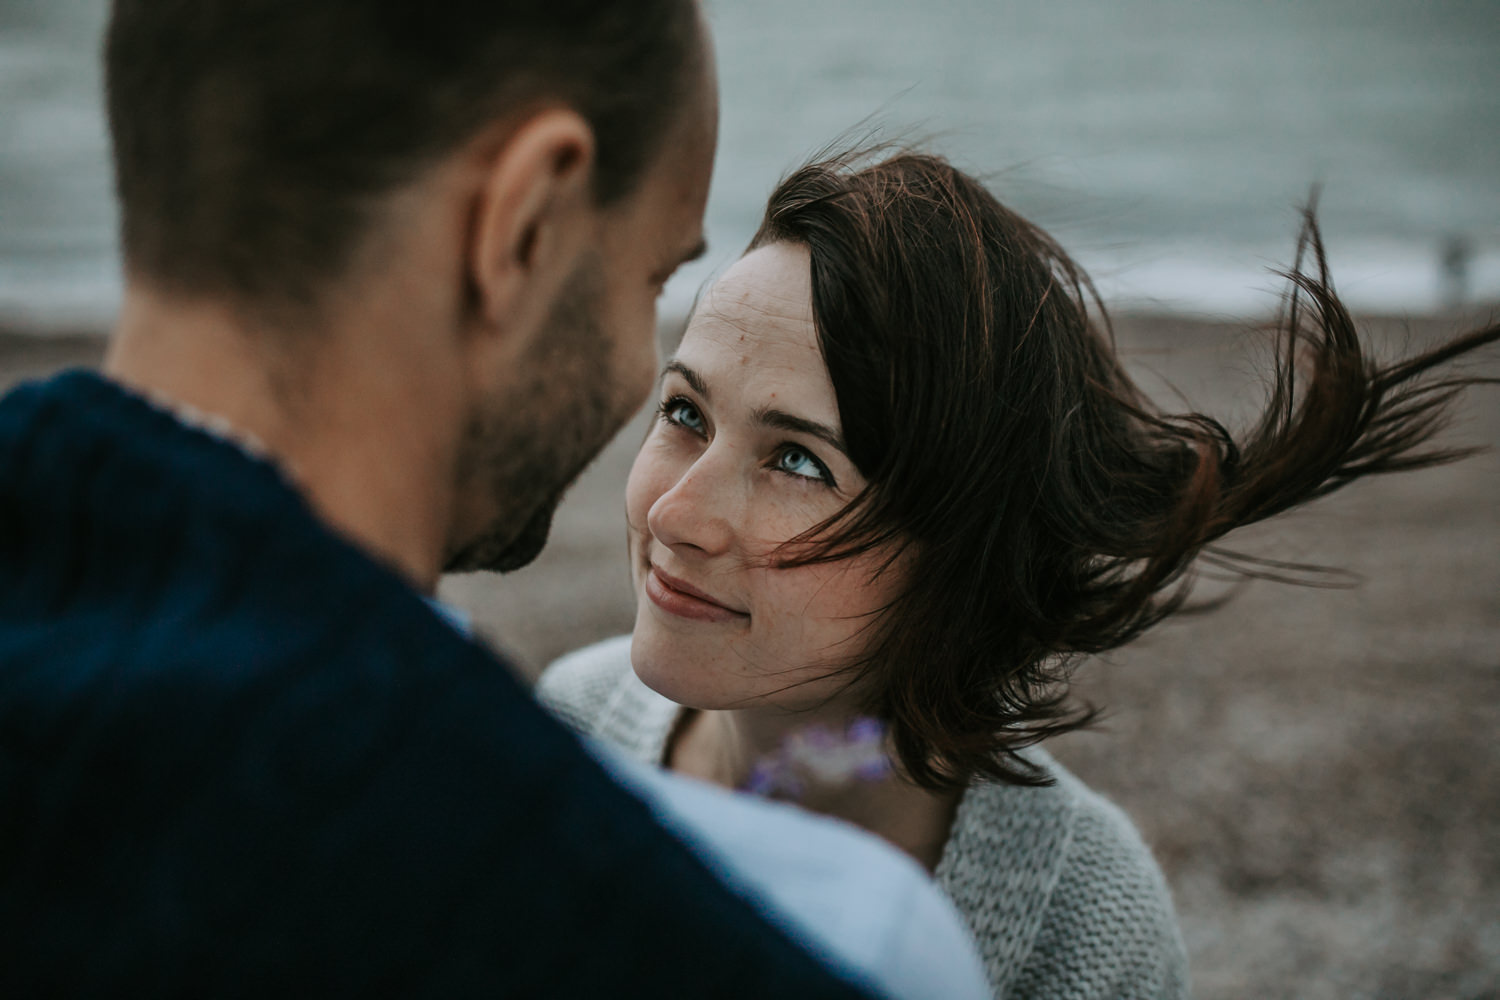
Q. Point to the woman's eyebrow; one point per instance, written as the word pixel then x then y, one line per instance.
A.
pixel 781 420
pixel 692 378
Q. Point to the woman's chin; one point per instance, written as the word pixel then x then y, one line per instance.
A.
pixel 654 664
pixel 663 664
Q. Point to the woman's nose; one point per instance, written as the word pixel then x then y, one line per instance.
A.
pixel 697 512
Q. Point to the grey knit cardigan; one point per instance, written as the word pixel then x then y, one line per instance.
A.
pixel 1064 899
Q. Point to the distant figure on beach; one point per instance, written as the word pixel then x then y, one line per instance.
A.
pixel 1454 262
pixel 897 483
pixel 391 282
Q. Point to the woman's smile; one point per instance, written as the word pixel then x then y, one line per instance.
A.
pixel 680 598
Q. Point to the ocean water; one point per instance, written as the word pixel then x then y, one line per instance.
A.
pixel 1166 143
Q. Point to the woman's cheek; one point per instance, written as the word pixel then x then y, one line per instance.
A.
pixel 645 484
pixel 843 597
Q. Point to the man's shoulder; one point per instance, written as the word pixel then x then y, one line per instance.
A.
pixel 387 792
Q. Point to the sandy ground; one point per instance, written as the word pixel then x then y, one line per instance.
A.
pixel 1317 770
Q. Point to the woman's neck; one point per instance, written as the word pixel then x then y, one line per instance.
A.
pixel 824 761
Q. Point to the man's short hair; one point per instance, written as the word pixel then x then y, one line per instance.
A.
pixel 254 139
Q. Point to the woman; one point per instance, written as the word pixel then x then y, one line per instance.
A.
pixel 897 483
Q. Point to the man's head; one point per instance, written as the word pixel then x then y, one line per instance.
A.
pixel 492 192
pixel 255 140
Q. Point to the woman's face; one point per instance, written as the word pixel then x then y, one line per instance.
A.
pixel 745 454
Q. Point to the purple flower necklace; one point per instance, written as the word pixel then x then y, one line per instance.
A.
pixel 823 757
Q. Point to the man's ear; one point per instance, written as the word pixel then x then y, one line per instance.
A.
pixel 532 218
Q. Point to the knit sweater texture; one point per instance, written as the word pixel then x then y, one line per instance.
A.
pixel 240 758
pixel 1063 897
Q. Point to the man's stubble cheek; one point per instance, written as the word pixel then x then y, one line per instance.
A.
pixel 540 435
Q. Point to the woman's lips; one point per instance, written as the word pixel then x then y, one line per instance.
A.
pixel 680 598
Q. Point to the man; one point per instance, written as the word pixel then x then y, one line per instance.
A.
pixel 391 273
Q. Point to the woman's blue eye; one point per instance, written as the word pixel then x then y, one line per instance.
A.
pixel 684 414
pixel 799 462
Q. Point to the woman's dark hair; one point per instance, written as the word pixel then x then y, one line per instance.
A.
pixel 1042 507
pixel 253 139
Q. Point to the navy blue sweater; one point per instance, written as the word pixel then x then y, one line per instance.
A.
pixel 239 758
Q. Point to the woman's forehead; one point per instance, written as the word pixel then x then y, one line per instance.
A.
pixel 753 333
pixel 771 285
pixel 759 310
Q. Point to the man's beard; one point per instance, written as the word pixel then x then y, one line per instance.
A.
pixel 502 549
pixel 529 447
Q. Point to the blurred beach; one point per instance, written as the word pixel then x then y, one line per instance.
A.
pixel 1316 769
